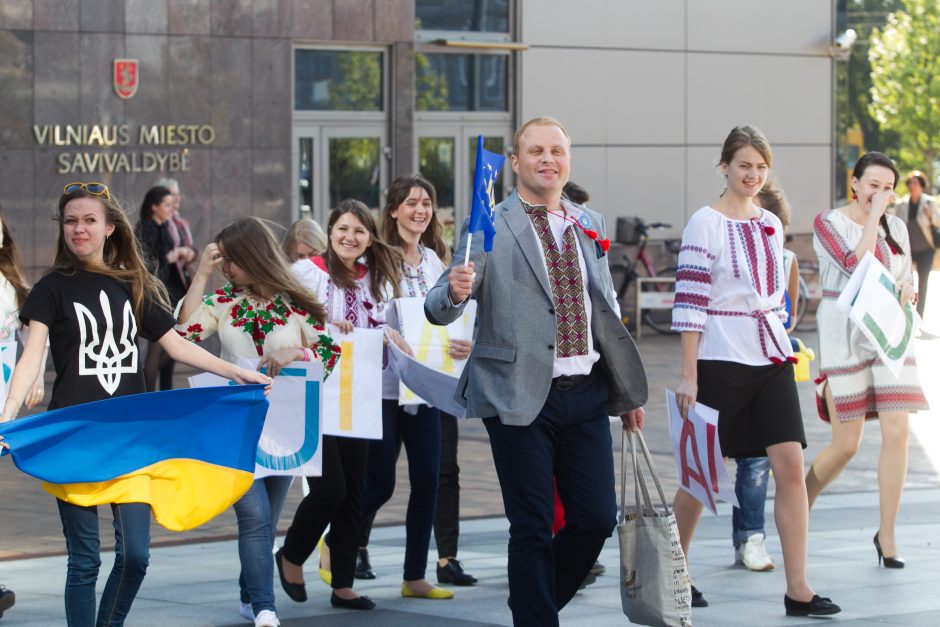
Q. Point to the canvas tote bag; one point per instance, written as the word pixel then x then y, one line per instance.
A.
pixel 654 581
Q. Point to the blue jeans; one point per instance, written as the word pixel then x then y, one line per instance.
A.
pixel 257 513
pixel 570 438
pixel 421 434
pixel 750 486
pixel 131 557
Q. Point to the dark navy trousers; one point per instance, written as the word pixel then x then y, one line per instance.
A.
pixel 570 438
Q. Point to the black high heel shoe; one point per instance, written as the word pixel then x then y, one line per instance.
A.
pixel 889 562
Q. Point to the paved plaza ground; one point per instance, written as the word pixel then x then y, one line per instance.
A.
pixel 192 577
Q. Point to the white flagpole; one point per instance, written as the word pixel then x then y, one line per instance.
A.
pixel 466 259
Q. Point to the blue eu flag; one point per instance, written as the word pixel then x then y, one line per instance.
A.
pixel 484 180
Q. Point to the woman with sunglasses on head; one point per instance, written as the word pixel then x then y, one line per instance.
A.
pixel 305 238
pixel 855 384
pixel 354 279
pixel 99 287
pixel 153 232
pixel 736 356
pixel 261 312
pixel 410 222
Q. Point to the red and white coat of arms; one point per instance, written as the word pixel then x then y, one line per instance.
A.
pixel 126 77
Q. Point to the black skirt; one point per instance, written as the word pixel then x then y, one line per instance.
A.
pixel 758 406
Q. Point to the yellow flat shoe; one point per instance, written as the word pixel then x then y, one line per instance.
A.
pixel 433 593
pixel 325 575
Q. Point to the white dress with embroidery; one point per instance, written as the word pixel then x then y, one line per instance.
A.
pixel 861 384
pixel 356 304
pixel 249 329
pixel 730 284
pixel 9 311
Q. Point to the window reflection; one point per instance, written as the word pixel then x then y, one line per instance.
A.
pixel 336 80
pixel 355 170
pixel 436 157
pixel 491 16
pixel 305 180
pixel 461 82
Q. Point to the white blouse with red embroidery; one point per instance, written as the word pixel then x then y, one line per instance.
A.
pixel 730 284
pixel 357 305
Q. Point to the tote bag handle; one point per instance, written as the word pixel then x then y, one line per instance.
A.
pixel 639 480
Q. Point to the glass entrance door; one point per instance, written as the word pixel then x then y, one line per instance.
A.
pixel 446 157
pixel 333 163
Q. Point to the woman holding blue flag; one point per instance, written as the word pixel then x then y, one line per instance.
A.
pixel 92 305
pixel 262 312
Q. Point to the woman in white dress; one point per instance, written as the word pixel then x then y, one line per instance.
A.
pixel 855 384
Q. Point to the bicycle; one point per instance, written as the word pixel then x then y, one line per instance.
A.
pixel 803 323
pixel 633 232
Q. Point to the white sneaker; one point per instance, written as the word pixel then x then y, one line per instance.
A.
pixel 266 618
pixel 245 611
pixel 754 554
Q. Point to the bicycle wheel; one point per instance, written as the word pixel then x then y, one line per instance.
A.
pixel 660 320
pixel 802 322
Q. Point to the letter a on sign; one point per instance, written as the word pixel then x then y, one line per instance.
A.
pixel 695 441
pixel 126 77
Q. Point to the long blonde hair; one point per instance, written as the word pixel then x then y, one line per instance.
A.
pixel 252 246
pixel 305 231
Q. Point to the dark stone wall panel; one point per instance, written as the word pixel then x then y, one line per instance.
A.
pixel 57 90
pixel 196 190
pixel 56 15
pixel 231 91
pixel 395 20
pixel 16 14
pixel 47 188
pixel 272 18
pixel 190 69
pixel 312 19
pixel 188 17
pixel 271 105
pixel 16 93
pixel 16 199
pixel 232 17
pixel 102 16
pixel 232 183
pixel 271 184
pixel 149 104
pixel 354 20
pixel 100 105
pixel 146 16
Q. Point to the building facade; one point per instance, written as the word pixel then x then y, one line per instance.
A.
pixel 279 108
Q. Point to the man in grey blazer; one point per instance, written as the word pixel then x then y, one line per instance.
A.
pixel 551 361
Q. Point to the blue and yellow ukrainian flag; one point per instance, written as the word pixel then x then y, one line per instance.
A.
pixel 189 453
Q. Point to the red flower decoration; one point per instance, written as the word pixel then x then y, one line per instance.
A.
pixel 769 230
pixel 604 244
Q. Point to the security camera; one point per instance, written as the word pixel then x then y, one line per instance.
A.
pixel 846 40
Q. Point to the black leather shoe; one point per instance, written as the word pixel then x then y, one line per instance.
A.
pixel 363 566
pixel 698 599
pixel 817 606
pixel 296 591
pixel 453 574
pixel 359 603
pixel 7 599
pixel 890 562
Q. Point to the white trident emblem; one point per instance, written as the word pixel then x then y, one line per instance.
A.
pixel 108 362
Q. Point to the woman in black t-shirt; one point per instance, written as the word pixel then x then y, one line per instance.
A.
pixel 91 305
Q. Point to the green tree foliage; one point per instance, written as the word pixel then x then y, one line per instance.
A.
pixel 905 93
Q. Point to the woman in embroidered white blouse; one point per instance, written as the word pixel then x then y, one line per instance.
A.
pixel 262 312
pixel 736 356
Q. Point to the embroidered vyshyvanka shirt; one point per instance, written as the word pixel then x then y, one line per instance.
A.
pixel 249 329
pixel 355 304
pixel 729 286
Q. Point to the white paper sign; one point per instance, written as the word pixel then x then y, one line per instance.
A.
pixel 430 342
pixel 291 440
pixel 352 395
pixel 436 387
pixel 870 299
pixel 7 363
pixel 697 452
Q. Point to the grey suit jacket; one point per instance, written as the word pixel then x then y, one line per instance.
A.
pixel 509 372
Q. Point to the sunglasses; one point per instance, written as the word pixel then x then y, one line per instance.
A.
pixel 95 189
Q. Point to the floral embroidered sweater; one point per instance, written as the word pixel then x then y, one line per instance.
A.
pixel 249 329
